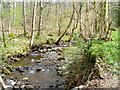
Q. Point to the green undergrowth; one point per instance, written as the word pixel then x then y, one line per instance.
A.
pixel 71 52
pixel 105 54
pixel 45 38
pixel 18 44
pixel 14 47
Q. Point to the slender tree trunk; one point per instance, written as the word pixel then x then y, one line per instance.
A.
pixel 56 17
pixel 60 19
pixel 57 42
pixel 10 21
pixel 75 24
pixel 2 83
pixel 33 23
pixel 34 16
pixel 24 15
pixel 80 10
pixel 14 14
pixel 95 26
pixel 101 22
pixel 106 19
pixel 1 23
pixel 119 14
pixel 87 29
pixel 40 19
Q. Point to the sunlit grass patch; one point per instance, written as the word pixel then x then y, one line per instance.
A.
pixel 14 46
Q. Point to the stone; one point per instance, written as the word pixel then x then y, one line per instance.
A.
pixel 20 69
pixel 51 86
pixel 29 86
pixel 39 69
pixel 43 70
pixel 25 79
pixel 22 86
pixel 48 47
pixel 60 58
pixel 60 73
pixel 15 59
pixel 57 69
pixel 38 61
pixel 16 87
pixel 79 87
pixel 44 50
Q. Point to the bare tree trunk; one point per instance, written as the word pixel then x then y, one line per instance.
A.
pixel 80 11
pixel 75 24
pixel 118 14
pixel 24 15
pixel 87 29
pixel 40 18
pixel 33 23
pixel 57 42
pixel 34 16
pixel 2 83
pixel 56 17
pixel 10 21
pixel 60 19
pixel 1 23
pixel 95 26
pixel 106 19
pixel 14 14
pixel 102 20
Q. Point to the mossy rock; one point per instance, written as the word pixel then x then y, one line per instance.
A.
pixel 38 61
pixel 6 71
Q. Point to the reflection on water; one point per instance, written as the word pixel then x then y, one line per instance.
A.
pixel 41 74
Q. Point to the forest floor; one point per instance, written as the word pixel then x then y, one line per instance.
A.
pixel 110 81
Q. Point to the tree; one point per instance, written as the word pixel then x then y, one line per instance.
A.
pixel 2 83
pixel 40 18
pixel 10 17
pixel 1 23
pixel 106 19
pixel 119 13
pixel 60 20
pixel 56 13
pixel 14 14
pixel 24 15
pixel 33 23
pixel 71 18
pixel 75 23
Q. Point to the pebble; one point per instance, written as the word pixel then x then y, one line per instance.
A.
pixel 25 79
pixel 32 60
pixel 51 86
pixel 16 87
pixel 39 69
pixel 20 69
pixel 38 61
pixel 61 58
pixel 22 86
pixel 29 86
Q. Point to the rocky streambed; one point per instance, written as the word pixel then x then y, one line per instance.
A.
pixel 40 68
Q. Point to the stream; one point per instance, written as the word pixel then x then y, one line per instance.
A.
pixel 40 68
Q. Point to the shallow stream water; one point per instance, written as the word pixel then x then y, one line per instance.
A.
pixel 39 70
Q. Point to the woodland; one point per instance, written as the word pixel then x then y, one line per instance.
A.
pixel 59 44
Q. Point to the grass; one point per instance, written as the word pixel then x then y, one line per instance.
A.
pixel 107 51
pixel 14 46
pixel 20 45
